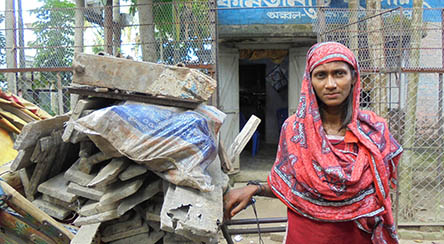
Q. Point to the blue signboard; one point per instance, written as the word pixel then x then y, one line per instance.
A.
pixel 249 12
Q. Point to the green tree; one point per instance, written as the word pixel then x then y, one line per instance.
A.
pixel 54 42
pixel 54 31
pixel 2 54
pixel 2 43
pixel 180 30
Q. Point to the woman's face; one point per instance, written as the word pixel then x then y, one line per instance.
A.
pixel 332 82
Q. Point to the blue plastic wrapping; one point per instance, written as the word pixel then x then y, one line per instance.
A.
pixel 178 145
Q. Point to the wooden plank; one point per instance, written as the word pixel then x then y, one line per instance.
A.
pixel 90 193
pixel 23 159
pixel 124 96
pixel 81 105
pixel 145 193
pixel 57 187
pixel 102 217
pixel 126 233
pixel 225 160
pixel 132 171
pixel 243 137
pixel 37 129
pixel 110 172
pixel 119 191
pixel 25 176
pixel 25 232
pixel 61 158
pixel 86 234
pixel 93 208
pixel 86 148
pixel 74 206
pixel 75 175
pixel 51 209
pixel 86 164
pixel 37 154
pixel 40 174
pixel 151 78
pixel 25 208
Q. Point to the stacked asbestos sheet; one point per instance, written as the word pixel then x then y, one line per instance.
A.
pixel 129 171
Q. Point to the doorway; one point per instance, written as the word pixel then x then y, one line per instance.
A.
pixel 263 91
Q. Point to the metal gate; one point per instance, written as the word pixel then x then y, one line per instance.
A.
pixel 401 56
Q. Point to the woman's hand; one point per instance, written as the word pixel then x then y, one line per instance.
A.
pixel 237 199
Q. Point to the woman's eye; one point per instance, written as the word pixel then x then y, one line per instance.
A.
pixel 320 75
pixel 340 73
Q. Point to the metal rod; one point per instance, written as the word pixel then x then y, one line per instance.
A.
pixel 254 221
pixel 54 69
pixel 440 130
pixel 255 230
pixel 227 235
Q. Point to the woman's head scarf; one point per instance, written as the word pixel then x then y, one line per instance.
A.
pixel 321 182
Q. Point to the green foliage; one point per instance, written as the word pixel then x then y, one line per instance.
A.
pixel 54 31
pixel 2 43
pixel 177 37
pixel 173 35
pixel 54 38
pixel 99 42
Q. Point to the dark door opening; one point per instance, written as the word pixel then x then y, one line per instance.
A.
pixel 252 95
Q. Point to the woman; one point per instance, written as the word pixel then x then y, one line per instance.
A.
pixel 334 162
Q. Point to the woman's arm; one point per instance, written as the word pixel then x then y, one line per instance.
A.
pixel 237 199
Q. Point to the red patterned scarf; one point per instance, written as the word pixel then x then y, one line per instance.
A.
pixel 321 182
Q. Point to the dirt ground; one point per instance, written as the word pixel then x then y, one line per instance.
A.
pixel 268 208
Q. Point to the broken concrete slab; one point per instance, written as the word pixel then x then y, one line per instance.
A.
pixel 74 206
pixel 110 172
pixel 93 207
pixel 146 192
pixel 75 175
pixel 144 238
pixel 90 193
pixel 102 217
pixel 132 171
pixel 153 79
pixel 86 234
pixel 32 131
pixel 23 159
pixel 121 190
pixel 194 214
pixel 57 187
pixel 51 209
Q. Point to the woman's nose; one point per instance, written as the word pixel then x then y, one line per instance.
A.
pixel 331 82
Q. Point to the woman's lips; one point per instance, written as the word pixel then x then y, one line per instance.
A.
pixel 331 95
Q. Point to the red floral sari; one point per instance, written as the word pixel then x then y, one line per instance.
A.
pixel 323 183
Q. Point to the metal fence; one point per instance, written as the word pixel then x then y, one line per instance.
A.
pixel 401 57
pixel 40 43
